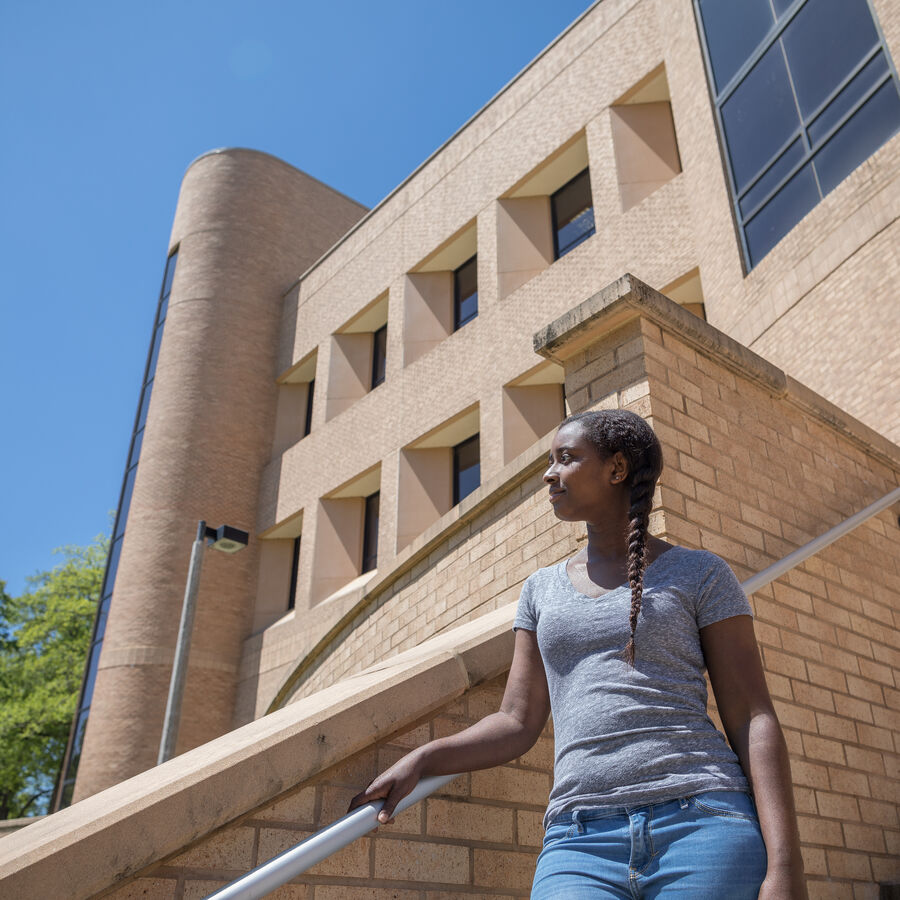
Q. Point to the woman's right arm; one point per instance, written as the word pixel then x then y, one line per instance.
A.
pixel 496 739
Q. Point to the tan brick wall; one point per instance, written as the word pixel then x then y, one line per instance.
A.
pixel 478 837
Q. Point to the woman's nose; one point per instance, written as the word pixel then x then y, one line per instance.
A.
pixel 550 475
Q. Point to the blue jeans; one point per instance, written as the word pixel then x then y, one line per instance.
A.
pixel 704 847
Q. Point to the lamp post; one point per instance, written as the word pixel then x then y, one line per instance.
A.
pixel 228 540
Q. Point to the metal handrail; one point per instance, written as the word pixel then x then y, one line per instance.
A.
pixel 282 868
pixel 296 860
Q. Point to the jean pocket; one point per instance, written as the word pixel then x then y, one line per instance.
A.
pixel 726 804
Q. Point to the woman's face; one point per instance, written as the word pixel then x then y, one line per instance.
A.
pixel 583 486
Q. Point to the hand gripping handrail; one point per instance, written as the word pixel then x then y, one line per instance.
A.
pixel 282 868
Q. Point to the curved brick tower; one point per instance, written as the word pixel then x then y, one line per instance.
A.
pixel 246 226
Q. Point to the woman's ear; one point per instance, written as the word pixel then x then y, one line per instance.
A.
pixel 619 472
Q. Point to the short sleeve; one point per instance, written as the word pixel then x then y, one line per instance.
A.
pixel 719 595
pixel 526 616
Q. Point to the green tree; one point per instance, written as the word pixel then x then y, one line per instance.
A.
pixel 44 637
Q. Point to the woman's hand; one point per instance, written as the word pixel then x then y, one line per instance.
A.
pixel 784 884
pixel 393 785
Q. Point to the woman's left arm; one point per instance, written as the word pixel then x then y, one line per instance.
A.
pixel 742 697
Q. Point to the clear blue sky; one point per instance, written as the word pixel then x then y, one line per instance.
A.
pixel 103 105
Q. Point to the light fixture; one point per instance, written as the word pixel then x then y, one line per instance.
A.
pixel 226 538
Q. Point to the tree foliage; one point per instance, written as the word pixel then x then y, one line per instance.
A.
pixel 44 638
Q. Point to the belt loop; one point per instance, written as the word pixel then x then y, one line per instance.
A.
pixel 683 802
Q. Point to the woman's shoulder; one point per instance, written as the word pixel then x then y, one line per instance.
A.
pixel 691 560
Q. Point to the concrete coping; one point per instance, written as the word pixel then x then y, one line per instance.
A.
pixel 115 834
pixel 628 298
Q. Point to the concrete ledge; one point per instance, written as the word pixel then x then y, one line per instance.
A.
pixel 628 298
pixel 112 835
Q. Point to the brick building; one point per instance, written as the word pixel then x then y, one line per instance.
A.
pixel 361 392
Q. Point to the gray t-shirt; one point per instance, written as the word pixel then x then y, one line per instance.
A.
pixel 623 736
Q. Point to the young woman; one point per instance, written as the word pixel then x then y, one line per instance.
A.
pixel 648 799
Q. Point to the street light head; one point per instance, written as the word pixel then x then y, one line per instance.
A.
pixel 228 539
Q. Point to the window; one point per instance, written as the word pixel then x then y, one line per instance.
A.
pixel 307 416
pixel 370 533
pixel 295 570
pixel 379 355
pixel 465 293
pixel 466 468
pixel 573 214
pixel 804 93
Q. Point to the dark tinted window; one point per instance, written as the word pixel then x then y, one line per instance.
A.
pixel 370 532
pixel 824 43
pixel 815 97
pixel 572 208
pixel 466 468
pixel 295 570
pixel 465 293
pixel 759 117
pixel 733 31
pixel 379 355
pixel 307 420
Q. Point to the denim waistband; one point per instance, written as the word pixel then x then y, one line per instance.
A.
pixel 589 813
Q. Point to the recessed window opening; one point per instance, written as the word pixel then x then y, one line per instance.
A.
pixel 687 291
pixel 465 293
pixel 533 405
pixel 804 93
pixel 358 358
pixel 440 294
pixel 466 468
pixel 346 541
pixel 379 355
pixel 294 410
pixel 436 471
pixel 643 133
pixel 544 216
pixel 370 532
pixel 572 209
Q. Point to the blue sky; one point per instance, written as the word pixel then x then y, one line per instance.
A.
pixel 103 106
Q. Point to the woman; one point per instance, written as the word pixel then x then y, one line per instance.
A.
pixel 648 798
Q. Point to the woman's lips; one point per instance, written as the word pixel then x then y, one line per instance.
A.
pixel 555 495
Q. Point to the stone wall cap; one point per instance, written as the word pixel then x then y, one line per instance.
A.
pixel 628 298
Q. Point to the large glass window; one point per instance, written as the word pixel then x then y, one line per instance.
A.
pixel 466 468
pixel 465 293
pixel 573 214
pixel 66 782
pixel 804 92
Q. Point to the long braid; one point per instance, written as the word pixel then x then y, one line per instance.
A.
pixel 619 431
pixel 642 483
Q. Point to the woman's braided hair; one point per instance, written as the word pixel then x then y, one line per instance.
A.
pixel 619 431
